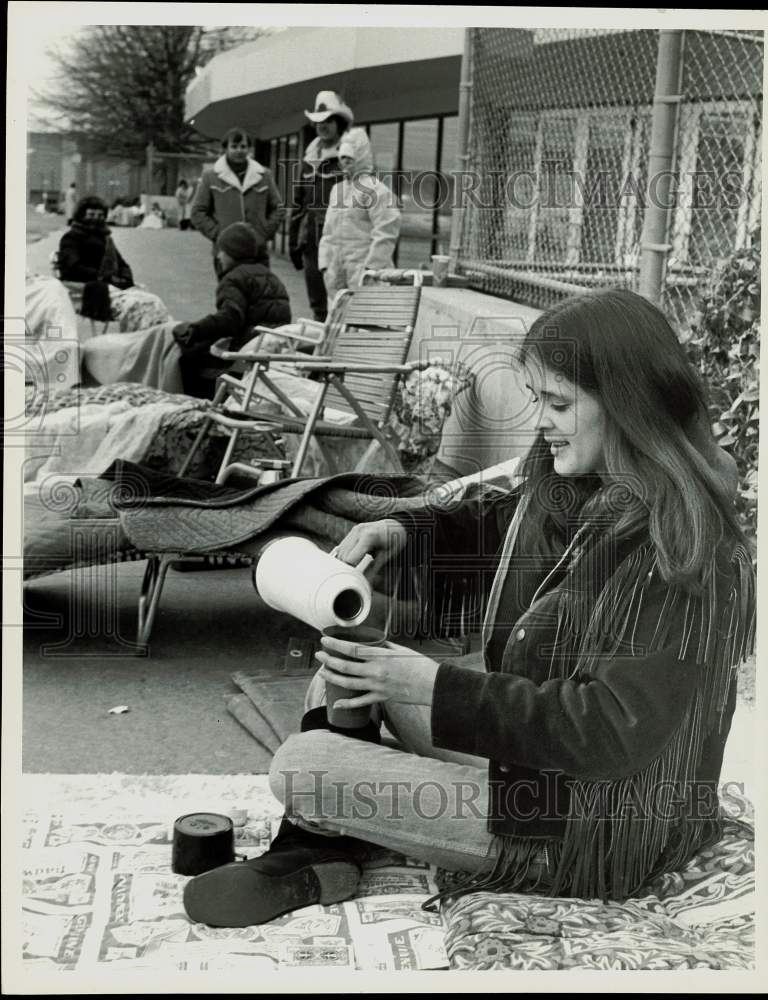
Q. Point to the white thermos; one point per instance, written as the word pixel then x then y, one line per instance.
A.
pixel 295 576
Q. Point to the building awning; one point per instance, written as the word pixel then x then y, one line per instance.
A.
pixel 383 74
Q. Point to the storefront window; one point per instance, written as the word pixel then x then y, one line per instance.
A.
pixel 419 192
pixel 384 141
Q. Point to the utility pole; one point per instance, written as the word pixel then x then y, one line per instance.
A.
pixel 654 243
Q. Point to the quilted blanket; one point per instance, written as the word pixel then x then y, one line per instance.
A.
pixel 133 509
pixel 699 918
pixel 162 513
pixel 79 432
pixel 179 421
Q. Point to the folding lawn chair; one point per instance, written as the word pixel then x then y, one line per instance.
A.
pixel 349 389
pixel 304 333
pixel 362 321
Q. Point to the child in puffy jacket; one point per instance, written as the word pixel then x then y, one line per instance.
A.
pixel 247 295
pixel 362 223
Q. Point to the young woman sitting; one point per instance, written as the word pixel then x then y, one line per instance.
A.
pixel 583 757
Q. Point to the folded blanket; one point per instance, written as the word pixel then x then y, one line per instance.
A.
pixel 163 513
pixel 150 357
pixel 177 431
pixel 52 335
pixel 137 309
pixel 74 442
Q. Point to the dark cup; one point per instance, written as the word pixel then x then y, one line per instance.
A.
pixel 362 635
pixel 202 841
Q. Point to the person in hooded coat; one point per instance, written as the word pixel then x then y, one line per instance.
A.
pixel 86 250
pixel 362 223
pixel 248 295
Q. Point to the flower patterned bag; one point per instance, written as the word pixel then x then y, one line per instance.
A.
pixel 423 404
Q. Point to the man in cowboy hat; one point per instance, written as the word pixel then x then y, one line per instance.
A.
pixel 320 171
pixel 236 189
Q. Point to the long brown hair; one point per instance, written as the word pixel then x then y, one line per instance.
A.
pixel 618 346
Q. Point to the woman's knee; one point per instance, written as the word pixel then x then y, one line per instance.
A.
pixel 300 768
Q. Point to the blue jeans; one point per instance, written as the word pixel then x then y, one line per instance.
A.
pixel 424 802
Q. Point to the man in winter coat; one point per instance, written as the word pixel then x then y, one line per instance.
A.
pixel 248 294
pixel 237 189
pixel 320 172
pixel 362 223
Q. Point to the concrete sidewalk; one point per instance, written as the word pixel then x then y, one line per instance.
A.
pixel 175 265
pixel 78 664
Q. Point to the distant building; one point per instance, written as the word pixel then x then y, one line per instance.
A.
pixel 55 159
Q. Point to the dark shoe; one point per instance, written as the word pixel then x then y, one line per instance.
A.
pixel 299 869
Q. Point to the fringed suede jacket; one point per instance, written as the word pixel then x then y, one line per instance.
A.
pixel 606 701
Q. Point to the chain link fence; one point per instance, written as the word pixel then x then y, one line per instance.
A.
pixel 716 211
pixel 556 184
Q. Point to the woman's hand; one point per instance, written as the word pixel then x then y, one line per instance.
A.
pixel 381 539
pixel 386 673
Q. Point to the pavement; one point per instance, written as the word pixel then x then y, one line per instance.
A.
pixel 78 662
pixel 175 265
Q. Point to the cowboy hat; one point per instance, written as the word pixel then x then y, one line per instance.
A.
pixel 329 103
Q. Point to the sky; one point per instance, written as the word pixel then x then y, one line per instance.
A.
pixel 40 68
pixel 38 25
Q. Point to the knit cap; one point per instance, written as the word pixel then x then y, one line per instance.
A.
pixel 241 242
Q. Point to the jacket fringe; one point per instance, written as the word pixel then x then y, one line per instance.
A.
pixel 521 864
pixel 609 851
pixel 620 834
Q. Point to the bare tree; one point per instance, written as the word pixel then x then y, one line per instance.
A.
pixel 123 86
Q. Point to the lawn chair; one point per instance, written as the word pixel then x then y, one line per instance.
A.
pixel 296 340
pixel 308 334
pixel 347 397
pixel 363 393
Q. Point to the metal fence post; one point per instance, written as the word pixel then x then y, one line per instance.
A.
pixel 655 244
pixel 464 123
